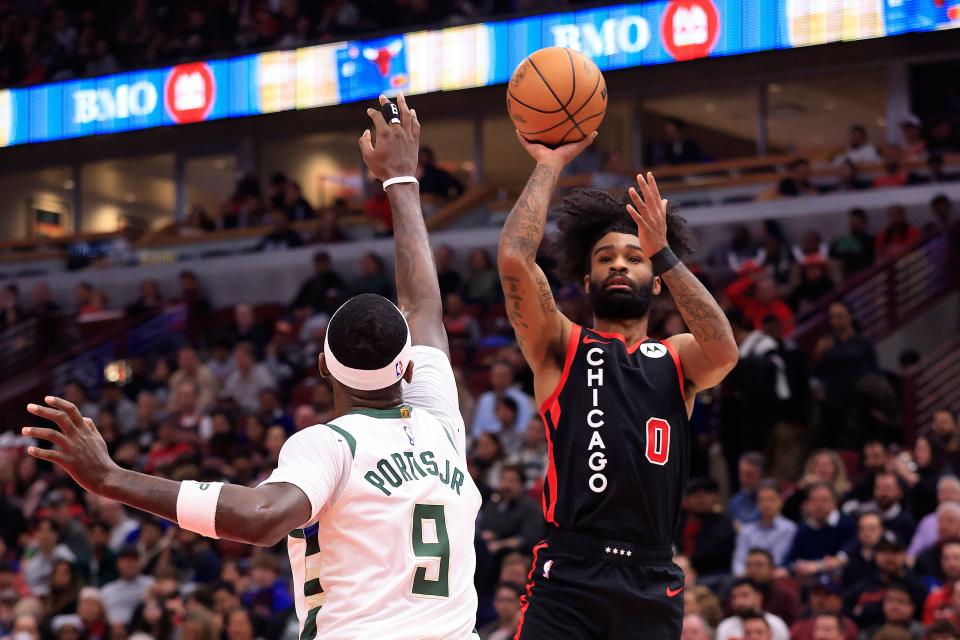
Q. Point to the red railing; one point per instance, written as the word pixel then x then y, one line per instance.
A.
pixel 931 386
pixel 892 293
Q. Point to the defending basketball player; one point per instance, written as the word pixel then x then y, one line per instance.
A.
pixel 377 505
pixel 615 403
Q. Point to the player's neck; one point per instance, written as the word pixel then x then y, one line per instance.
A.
pixel 632 329
pixel 345 402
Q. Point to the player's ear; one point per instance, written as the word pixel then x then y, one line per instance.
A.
pixel 657 285
pixel 586 283
pixel 408 374
pixel 322 366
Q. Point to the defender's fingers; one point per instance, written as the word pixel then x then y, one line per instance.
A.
pixel 653 185
pixel 365 143
pixel 406 121
pixel 636 199
pixel 46 454
pixel 639 218
pixel 378 122
pixel 54 415
pixel 414 123
pixel 645 189
pixel 88 423
pixel 50 435
pixel 67 407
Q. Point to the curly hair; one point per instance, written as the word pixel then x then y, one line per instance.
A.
pixel 586 215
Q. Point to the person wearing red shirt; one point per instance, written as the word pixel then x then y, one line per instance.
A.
pixel 756 296
pixel 941 603
pixel 898 235
pixel 894 174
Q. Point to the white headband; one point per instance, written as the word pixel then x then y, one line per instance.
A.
pixel 367 379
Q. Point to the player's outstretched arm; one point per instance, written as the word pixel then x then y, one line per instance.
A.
pixel 540 327
pixel 709 354
pixel 260 516
pixel 395 155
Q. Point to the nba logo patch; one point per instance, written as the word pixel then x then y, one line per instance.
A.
pixel 546 568
pixel 399 368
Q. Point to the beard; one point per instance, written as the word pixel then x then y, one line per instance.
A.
pixel 619 304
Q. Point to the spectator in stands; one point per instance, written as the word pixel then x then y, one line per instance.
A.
pixel 316 292
pixel 150 299
pixel 532 456
pixel 83 294
pixel 462 327
pixel 743 504
pixel 243 385
pixel 775 255
pixel 282 236
pixel 941 596
pixel 948 490
pixel 942 210
pixel 948 529
pixel 294 204
pixel 501 384
pixel 840 360
pixel 746 602
pixel 190 369
pixel 888 501
pixel 942 139
pixel 450 279
pixel 220 362
pixel 269 595
pixel 434 180
pixel 42 554
pixel 243 208
pixel 506 602
pixel 11 308
pixel 328 229
pixel 945 629
pixel 695 627
pixel 935 173
pixel 855 251
pixel 276 193
pixel 894 174
pixel 377 208
pixel 373 278
pixel 873 462
pixel 46 312
pixel 611 175
pixel 755 294
pixel 771 533
pixel 825 600
pixel 511 521
pixel 797 181
pixel 898 235
pixel 246 328
pixel 898 612
pixel 849 179
pixel 824 531
pixel 706 534
pixel 859 150
pixel 857 557
pixel 76 393
pixel 778 599
pixel 122 596
pixel 912 144
pixel 814 285
pixel 676 148
pixel 198 306
pixel 198 223
pixel 864 600
pixel 482 284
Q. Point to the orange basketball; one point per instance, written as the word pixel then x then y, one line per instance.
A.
pixel 556 95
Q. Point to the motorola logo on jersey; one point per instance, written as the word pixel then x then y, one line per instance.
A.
pixel 653 350
pixel 596 456
pixel 690 28
pixel 189 92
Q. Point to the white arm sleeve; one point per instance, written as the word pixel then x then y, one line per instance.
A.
pixel 316 460
pixel 434 389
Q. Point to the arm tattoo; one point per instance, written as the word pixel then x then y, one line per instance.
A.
pixel 513 292
pixel 546 295
pixel 523 231
pixel 697 307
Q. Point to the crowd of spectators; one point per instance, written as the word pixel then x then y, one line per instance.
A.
pixel 57 40
pixel 862 542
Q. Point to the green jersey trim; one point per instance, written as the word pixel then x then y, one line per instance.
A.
pixel 351 441
pixel 392 413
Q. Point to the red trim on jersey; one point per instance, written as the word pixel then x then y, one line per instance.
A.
pixel 621 338
pixel 676 361
pixel 525 599
pixel 552 406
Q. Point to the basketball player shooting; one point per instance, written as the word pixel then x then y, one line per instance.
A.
pixel 377 506
pixel 615 403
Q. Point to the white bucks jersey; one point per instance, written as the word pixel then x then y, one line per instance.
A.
pixel 388 552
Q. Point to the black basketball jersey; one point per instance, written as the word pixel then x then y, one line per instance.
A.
pixel 618 439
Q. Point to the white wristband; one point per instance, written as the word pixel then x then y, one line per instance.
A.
pixel 197 507
pixel 397 180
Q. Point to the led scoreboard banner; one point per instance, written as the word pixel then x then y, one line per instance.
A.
pixel 615 37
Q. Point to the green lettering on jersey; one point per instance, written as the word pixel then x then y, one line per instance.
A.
pixel 398 460
pixel 376 481
pixel 427 459
pixel 387 472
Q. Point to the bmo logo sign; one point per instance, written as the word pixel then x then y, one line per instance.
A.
pixel 630 34
pixel 114 103
pixel 690 28
pixel 189 92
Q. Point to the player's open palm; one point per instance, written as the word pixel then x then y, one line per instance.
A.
pixel 80 449
pixel 398 143
pixel 559 157
pixel 650 214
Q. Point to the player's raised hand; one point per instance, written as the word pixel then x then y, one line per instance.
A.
pixel 557 158
pixel 398 144
pixel 650 214
pixel 80 449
